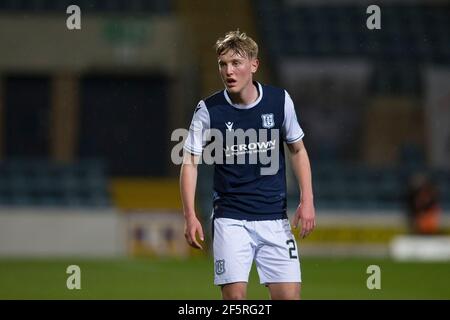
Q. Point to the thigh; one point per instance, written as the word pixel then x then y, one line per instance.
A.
pixel 233 251
pixel 277 258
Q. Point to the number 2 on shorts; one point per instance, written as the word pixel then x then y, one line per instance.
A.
pixel 291 244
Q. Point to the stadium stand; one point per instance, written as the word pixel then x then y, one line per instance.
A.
pixel 412 34
pixel 364 187
pixel 43 183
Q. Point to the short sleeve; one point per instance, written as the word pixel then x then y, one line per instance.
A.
pixel 291 130
pixel 195 140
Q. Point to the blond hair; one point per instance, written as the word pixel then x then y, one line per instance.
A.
pixel 239 42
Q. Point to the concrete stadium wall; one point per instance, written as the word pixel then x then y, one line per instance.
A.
pixel 61 232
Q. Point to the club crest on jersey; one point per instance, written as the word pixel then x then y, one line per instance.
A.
pixel 268 120
pixel 220 267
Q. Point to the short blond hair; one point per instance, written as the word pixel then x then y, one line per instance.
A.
pixel 239 42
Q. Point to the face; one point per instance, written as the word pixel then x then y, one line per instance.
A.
pixel 236 71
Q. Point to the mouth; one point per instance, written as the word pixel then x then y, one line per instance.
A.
pixel 231 82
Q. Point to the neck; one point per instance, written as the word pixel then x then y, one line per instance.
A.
pixel 247 96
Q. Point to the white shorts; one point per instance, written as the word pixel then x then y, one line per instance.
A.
pixel 270 243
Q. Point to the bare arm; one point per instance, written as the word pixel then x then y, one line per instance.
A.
pixel 188 183
pixel 305 211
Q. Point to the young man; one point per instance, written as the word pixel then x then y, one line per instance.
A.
pixel 249 206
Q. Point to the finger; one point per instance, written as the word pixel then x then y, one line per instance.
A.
pixel 303 233
pixel 200 233
pixel 306 227
pixel 310 226
pixel 195 243
pixel 188 239
pixel 303 230
pixel 295 220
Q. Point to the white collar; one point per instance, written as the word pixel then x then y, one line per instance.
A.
pixel 242 106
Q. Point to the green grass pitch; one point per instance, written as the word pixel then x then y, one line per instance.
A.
pixel 323 278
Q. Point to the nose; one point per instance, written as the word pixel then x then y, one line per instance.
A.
pixel 228 70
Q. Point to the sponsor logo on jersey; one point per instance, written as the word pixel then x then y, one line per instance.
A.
pixel 252 147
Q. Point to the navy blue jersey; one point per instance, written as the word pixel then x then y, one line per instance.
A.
pixel 241 191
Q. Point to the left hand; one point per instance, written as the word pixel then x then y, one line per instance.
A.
pixel 306 214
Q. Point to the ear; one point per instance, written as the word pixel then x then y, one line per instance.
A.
pixel 254 65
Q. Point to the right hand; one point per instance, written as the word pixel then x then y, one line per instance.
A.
pixel 305 214
pixel 191 227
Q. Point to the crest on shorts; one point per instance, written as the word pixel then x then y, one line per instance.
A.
pixel 220 266
pixel 268 120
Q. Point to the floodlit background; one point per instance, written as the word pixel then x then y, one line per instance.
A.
pixel 86 117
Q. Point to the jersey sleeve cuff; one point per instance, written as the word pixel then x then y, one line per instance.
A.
pixel 192 151
pixel 290 141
